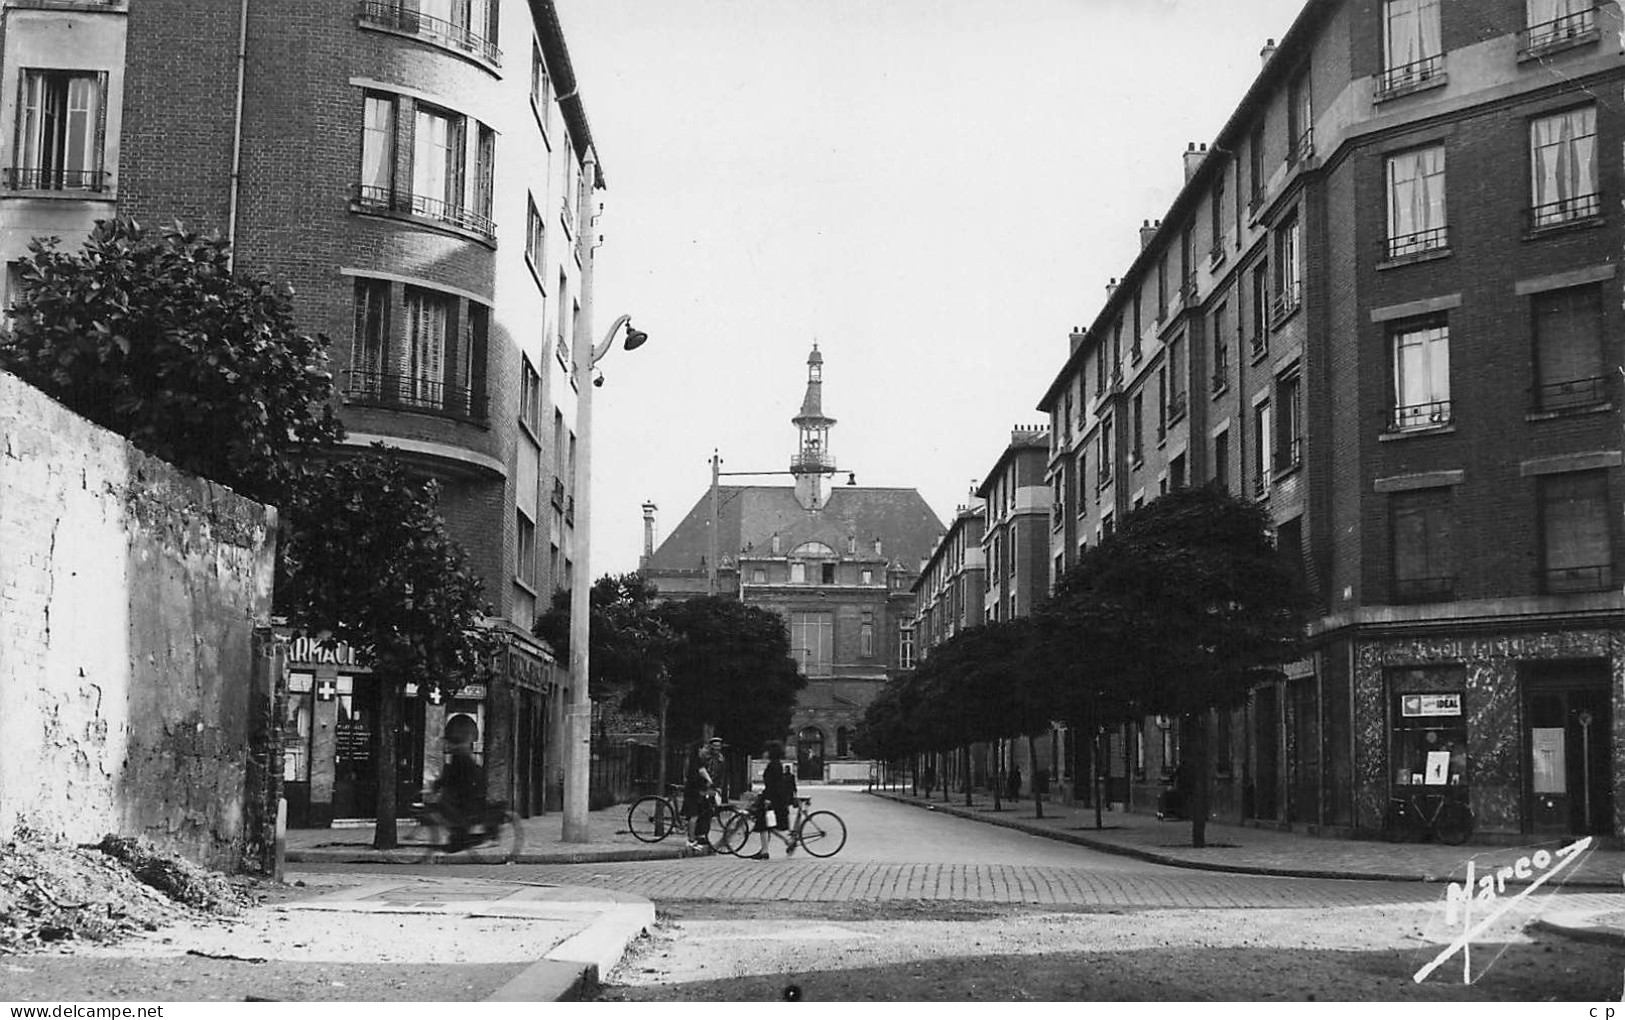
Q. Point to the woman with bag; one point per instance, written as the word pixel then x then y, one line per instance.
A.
pixel 774 805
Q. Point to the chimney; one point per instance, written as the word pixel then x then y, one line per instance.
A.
pixel 1148 230
pixel 1267 52
pixel 1194 155
pixel 648 532
pixel 1075 338
pixel 877 546
pixel 1111 287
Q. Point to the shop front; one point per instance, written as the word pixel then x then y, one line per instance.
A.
pixel 1521 727
pixel 331 737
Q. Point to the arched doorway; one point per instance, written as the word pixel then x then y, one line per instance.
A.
pixel 810 754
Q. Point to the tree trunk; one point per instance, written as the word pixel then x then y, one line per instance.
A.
pixel 1196 773
pixel 998 763
pixel 390 694
pixel 660 742
pixel 965 757
pixel 1096 757
pixel 1032 770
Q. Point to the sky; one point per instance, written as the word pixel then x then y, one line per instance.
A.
pixel 935 191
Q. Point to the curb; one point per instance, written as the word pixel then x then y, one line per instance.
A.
pixel 1152 856
pixel 570 972
pixel 367 855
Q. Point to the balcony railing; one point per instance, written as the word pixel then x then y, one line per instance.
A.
pixel 1562 580
pixel 1221 378
pixel 1105 477
pixel 1421 416
pixel 406 18
pixel 1288 456
pixel 1565 210
pixel 1567 30
pixel 414 393
pixel 1259 342
pixel 1411 590
pixel 1418 242
pixel 1303 149
pixel 569 509
pixel 54 179
pixel 1413 75
pixel 1176 406
pixel 1572 395
pixel 1287 300
pixel 381 199
pixel 558 493
pixel 1215 254
pixel 567 212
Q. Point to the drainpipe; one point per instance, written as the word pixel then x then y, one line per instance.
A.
pixel 237 138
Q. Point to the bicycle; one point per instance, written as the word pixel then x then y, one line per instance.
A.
pixel 652 818
pixel 1446 818
pixel 820 833
pixel 497 838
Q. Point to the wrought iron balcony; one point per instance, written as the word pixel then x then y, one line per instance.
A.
pixel 1418 242
pixel 1303 149
pixel 1176 406
pixel 1409 77
pixel 1287 300
pixel 569 509
pixel 812 460
pixel 414 393
pixel 1259 342
pixel 1564 580
pixel 1573 395
pixel 375 198
pixel 1567 30
pixel 1221 378
pixel 1421 416
pixel 1565 210
pixel 406 18
pixel 1215 254
pixel 54 179
pixel 558 493
pixel 1412 590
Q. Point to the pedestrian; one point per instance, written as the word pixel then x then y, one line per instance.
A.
pixel 1014 789
pixel 715 765
pixel 461 790
pixel 697 799
pixel 777 799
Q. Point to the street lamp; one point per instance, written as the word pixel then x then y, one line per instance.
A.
pixel 578 710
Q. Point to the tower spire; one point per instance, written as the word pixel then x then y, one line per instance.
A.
pixel 812 458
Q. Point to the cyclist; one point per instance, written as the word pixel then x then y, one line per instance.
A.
pixel 462 789
pixel 697 802
pixel 778 798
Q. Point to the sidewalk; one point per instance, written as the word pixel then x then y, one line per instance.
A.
pixel 1248 850
pixel 543 843
pixel 366 937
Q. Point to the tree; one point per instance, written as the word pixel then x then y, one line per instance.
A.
pixel 1182 611
pixel 159 340
pixel 366 560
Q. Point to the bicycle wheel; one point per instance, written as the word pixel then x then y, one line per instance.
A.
pixel 1454 824
pixel 724 814
pixel 822 834
pixel 734 835
pixel 418 841
pixel 1400 824
pixel 652 819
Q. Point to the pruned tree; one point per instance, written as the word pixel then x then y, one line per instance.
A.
pixel 1182 611
pixel 158 339
pixel 366 559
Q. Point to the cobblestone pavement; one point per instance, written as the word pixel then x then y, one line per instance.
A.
pixel 897 852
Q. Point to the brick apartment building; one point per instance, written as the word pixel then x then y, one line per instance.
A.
pixel 1386 303
pixel 838 565
pixel 418 171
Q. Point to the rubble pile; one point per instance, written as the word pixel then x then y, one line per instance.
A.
pixel 52 891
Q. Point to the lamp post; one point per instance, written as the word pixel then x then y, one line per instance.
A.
pixel 583 356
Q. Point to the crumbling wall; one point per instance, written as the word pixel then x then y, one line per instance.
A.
pixel 129 597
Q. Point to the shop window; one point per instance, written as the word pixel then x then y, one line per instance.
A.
pixel 1430 739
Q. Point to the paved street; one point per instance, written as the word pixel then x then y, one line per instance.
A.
pixel 901 853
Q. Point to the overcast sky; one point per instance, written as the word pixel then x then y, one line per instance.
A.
pixel 934 190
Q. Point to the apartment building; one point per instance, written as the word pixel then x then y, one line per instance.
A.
pixel 952 583
pixel 837 562
pixel 423 174
pixel 1385 303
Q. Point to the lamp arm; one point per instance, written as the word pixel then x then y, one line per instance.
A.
pixel 609 339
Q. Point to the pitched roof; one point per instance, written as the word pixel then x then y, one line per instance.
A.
pixel 749 515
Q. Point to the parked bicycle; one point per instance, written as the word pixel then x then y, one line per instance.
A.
pixel 496 838
pixel 653 818
pixel 820 833
pixel 1412 818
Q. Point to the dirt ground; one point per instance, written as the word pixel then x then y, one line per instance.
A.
pixel 972 953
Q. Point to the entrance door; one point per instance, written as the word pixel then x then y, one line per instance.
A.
pixel 810 754
pixel 1569 718
pixel 1267 744
pixel 354 786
